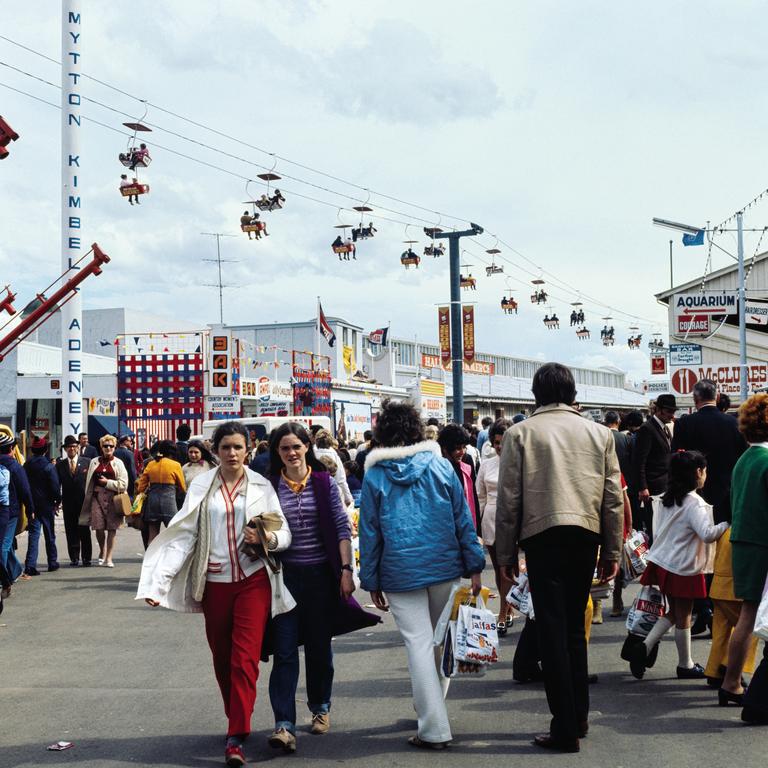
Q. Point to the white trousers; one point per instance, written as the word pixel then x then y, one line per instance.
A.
pixel 416 613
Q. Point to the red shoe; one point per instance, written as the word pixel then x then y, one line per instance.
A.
pixel 234 757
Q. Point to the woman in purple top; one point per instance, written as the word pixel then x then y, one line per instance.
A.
pixel 317 570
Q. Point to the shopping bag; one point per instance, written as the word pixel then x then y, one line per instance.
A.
pixel 519 596
pixel 441 627
pixel 761 622
pixel 464 596
pixel 138 504
pixel 648 608
pixel 450 666
pixel 635 552
pixel 477 639
pixel 600 590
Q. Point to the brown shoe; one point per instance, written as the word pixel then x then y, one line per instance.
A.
pixel 558 745
pixel 321 723
pixel 283 739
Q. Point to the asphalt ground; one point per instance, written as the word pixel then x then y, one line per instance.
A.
pixel 133 686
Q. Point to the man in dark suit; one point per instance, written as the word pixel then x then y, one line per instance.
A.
pixel 72 471
pixel 653 446
pixel 124 452
pixel 86 450
pixel 717 436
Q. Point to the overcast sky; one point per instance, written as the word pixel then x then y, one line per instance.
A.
pixel 561 127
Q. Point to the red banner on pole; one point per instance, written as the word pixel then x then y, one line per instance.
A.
pixel 468 324
pixel 444 334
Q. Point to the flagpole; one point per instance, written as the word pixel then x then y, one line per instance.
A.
pixel 317 333
pixel 391 353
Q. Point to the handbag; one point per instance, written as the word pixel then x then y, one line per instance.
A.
pixel 121 503
pixel 264 525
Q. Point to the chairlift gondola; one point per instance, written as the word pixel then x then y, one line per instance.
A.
pixel 7 135
pixel 136 157
pixel 343 245
pixel 493 268
pixel 467 282
pixel 656 344
pixel 552 322
pixel 607 334
pixel 539 295
pixel 634 341
pixel 409 258
pixel 433 249
pixel 582 333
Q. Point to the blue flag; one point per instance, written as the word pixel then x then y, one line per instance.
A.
pixel 697 239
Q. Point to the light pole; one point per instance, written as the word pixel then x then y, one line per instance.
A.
pixel 457 349
pixel 742 310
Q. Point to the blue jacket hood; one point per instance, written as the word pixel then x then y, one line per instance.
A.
pixel 407 469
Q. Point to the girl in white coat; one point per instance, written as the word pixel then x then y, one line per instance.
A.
pixel 683 528
pixel 198 564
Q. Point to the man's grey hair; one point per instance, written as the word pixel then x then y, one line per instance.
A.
pixel 705 389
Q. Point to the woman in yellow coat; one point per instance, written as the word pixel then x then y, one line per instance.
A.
pixel 161 480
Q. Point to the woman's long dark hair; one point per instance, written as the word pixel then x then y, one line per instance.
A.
pixel 204 452
pixel 683 477
pixel 297 430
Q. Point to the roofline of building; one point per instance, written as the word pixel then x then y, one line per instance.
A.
pixel 301 324
pixel 664 296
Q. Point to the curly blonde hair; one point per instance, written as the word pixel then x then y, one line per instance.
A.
pixel 753 418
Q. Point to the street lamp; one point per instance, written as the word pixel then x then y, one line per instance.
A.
pixel 688 229
pixel 457 349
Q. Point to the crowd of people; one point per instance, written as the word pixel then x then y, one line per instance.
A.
pixel 269 539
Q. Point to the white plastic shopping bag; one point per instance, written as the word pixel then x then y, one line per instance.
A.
pixel 761 622
pixel 648 608
pixel 441 627
pixel 519 596
pixel 635 555
pixel 477 638
pixel 450 666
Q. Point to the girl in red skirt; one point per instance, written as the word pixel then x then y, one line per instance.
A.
pixel 683 530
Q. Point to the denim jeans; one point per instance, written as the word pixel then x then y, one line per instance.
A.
pixel 316 593
pixel 44 521
pixel 7 555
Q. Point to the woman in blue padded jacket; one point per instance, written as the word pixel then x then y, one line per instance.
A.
pixel 417 540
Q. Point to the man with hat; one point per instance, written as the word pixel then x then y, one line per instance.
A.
pixel 19 494
pixel 72 471
pixel 653 446
pixel 44 483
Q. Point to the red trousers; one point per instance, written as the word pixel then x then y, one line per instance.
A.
pixel 235 617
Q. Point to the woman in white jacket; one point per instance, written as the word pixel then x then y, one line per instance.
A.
pixel 198 564
pixel 683 529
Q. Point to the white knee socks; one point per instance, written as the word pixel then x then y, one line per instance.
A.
pixel 660 628
pixel 683 643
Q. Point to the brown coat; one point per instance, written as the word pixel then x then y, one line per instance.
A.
pixel 558 468
pixel 118 485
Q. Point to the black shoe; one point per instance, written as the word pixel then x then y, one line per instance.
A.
pixel 74 564
pixel 702 624
pixel 696 672
pixel 724 698
pixel 558 745
pixel 31 571
pixel 54 567
pixel 754 716
pixel 638 656
pixel 86 563
pixel 714 682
